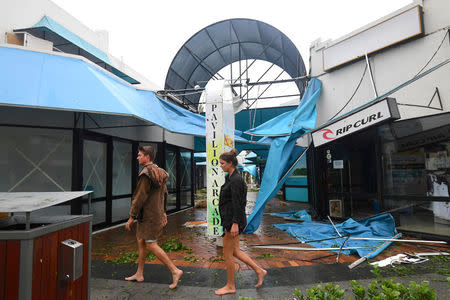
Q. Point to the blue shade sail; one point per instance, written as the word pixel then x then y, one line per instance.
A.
pixel 284 130
pixel 42 80
pixel 67 83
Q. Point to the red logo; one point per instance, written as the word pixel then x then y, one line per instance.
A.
pixel 325 134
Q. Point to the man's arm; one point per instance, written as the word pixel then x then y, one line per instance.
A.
pixel 166 195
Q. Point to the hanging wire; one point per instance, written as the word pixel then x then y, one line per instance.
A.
pixel 434 54
pixel 365 69
pixel 357 88
pixel 254 115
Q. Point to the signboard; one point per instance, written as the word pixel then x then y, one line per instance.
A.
pixel 219 138
pixel 391 30
pixel 338 164
pixel 381 111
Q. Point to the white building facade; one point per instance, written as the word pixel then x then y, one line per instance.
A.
pixel 398 161
pixel 46 149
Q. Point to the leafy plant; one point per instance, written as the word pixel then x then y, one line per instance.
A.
pixel 328 292
pixel 378 289
pixel 191 258
pixel 217 258
pixel 173 245
pixel 131 257
pixel 265 255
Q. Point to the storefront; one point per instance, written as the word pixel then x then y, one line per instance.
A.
pixel 365 163
pixel 41 159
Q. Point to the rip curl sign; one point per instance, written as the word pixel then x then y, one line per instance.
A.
pixel 374 114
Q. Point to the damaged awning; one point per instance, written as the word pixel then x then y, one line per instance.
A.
pixel 66 41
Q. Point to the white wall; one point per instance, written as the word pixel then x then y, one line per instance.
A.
pixel 20 14
pixel 390 68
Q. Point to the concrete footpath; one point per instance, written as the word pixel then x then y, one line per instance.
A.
pixel 199 283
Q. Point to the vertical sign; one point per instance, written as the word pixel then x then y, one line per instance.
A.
pixel 219 138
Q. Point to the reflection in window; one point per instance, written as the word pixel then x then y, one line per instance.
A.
pixel 94 168
pixel 185 178
pixel 171 165
pixel 35 160
pixel 122 165
pixel 416 173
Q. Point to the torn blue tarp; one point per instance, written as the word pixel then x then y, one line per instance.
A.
pixel 251 169
pixel 283 152
pixel 70 83
pixel 301 214
pixel 381 226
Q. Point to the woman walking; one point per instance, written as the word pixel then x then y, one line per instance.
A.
pixel 232 201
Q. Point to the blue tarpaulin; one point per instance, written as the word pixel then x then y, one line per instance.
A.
pixel 69 83
pixel 301 214
pixel 250 168
pixel 381 226
pixel 283 152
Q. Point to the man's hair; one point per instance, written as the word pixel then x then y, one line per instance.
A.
pixel 148 150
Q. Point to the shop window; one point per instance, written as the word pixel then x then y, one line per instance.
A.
pixel 185 178
pixel 35 160
pixel 94 168
pixel 171 168
pixel 416 173
pixel 122 165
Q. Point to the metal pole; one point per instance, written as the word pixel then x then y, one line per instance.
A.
pixel 398 240
pixel 334 226
pixel 310 249
pixel 366 257
pixel 89 204
pixel 27 222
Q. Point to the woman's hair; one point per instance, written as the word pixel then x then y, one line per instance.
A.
pixel 230 156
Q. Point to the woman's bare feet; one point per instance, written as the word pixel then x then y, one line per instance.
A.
pixel 175 277
pixel 225 290
pixel 261 274
pixel 137 277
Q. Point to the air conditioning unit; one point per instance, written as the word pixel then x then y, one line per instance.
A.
pixel 27 40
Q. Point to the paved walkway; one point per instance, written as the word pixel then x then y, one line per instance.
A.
pixel 204 269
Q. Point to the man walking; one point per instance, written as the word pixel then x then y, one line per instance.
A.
pixel 148 207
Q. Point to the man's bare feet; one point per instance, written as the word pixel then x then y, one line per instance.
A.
pixel 261 274
pixel 225 290
pixel 175 277
pixel 137 277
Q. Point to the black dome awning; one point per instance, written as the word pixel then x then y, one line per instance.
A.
pixel 228 41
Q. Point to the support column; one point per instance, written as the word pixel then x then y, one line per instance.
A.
pixel 219 138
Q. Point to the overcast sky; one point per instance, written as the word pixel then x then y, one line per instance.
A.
pixel 148 34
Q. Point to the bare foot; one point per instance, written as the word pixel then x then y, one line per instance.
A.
pixel 261 276
pixel 138 278
pixel 225 290
pixel 175 277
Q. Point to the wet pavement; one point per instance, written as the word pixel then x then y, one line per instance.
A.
pixel 204 269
